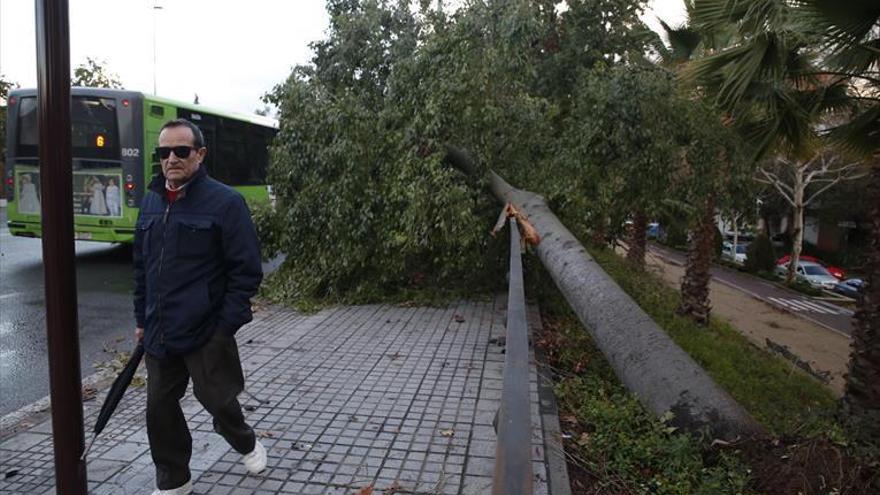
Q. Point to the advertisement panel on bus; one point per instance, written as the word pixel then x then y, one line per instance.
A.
pixel 94 194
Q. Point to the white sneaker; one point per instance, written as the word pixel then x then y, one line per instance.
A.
pixel 255 462
pixel 184 489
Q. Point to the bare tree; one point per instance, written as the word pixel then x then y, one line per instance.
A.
pixel 792 178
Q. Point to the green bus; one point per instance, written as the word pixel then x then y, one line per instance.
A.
pixel 114 135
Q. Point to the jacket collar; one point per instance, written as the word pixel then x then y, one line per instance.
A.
pixel 157 185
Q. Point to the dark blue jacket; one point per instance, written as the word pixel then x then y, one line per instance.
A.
pixel 196 265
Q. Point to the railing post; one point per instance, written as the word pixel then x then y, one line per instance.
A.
pixel 513 452
pixel 56 187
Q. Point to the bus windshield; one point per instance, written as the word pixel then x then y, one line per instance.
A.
pixel 94 133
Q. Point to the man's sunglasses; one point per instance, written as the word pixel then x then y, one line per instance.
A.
pixel 179 151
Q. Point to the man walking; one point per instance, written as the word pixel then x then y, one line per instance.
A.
pixel 196 266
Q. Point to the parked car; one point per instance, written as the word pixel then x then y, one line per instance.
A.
pixel 812 273
pixel 851 287
pixel 739 257
pixel 838 272
pixel 653 230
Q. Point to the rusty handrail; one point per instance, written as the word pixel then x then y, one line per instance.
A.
pixel 513 459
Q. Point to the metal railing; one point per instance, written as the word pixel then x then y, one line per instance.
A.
pixel 513 452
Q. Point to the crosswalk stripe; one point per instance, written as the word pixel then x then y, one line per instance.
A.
pixel 784 303
pixel 798 304
pixel 820 309
pixel 809 306
pixel 839 309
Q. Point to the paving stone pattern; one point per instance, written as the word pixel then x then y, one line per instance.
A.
pixel 400 398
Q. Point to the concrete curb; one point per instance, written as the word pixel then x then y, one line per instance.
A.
pixel 25 417
pixel 558 480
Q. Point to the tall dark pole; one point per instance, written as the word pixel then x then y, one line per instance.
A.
pixel 56 187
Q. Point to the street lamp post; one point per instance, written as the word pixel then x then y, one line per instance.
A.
pixel 156 7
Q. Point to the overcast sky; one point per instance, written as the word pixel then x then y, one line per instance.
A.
pixel 229 52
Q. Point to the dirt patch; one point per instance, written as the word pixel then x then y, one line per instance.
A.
pixel 816 466
pixel 826 352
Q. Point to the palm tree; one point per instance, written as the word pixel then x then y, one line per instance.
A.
pixel 793 63
pixel 852 40
pixel 705 181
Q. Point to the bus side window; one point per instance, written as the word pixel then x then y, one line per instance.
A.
pixel 230 158
pixel 258 154
pixel 152 142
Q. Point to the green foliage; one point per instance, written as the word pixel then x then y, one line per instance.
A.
pixel 717 243
pixel 760 256
pixel 621 444
pixel 784 399
pixel 366 205
pixel 5 87
pixel 617 154
pixel 677 235
pixel 562 102
pixel 792 64
pixel 94 74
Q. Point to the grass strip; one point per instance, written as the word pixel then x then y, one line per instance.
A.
pixel 613 444
pixel 782 397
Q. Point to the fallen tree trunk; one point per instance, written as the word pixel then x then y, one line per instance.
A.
pixel 643 356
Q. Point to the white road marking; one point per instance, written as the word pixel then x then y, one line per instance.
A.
pixel 785 303
pixel 805 305
pixel 820 309
pixel 798 303
pixel 839 309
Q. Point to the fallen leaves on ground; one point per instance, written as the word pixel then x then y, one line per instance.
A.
pixel 393 488
pixel 88 393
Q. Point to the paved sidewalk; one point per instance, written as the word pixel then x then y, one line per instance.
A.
pixel 400 398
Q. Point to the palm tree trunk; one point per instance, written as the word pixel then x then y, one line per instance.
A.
pixel 638 240
pixel 862 397
pixel 695 284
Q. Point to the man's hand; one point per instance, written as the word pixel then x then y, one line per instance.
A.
pixel 138 334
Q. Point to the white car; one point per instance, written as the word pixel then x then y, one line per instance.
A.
pixel 739 257
pixel 812 273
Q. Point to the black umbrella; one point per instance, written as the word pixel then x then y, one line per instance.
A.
pixel 115 394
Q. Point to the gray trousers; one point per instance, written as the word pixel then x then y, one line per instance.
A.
pixel 217 380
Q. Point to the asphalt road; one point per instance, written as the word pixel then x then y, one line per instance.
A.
pixel 104 285
pixel 823 313
pixel 106 319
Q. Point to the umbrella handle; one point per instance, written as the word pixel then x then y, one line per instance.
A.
pixel 88 447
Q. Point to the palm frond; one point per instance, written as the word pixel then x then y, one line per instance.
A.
pixel 760 58
pixel 861 135
pixel 849 22
pixel 683 41
pixel 750 17
pixel 850 29
pixel 858 58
